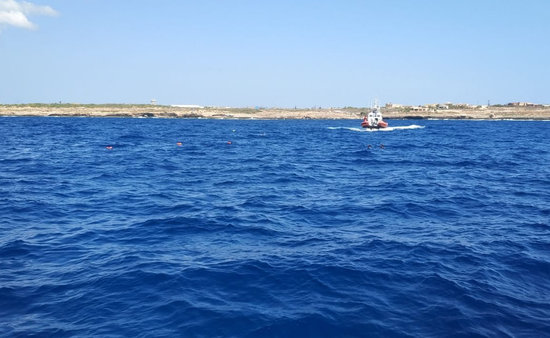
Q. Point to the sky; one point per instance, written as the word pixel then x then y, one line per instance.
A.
pixel 275 53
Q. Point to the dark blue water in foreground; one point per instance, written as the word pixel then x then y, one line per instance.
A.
pixel 295 229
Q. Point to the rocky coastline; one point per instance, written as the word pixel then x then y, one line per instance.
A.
pixel 158 111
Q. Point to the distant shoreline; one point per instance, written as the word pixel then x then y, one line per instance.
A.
pixel 156 111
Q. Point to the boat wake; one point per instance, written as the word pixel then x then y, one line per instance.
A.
pixel 412 126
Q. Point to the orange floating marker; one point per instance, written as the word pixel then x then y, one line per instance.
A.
pixel 109 147
pixel 228 142
pixel 179 144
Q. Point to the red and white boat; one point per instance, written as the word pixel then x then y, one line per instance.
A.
pixel 374 120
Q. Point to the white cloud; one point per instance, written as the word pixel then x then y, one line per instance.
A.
pixel 15 13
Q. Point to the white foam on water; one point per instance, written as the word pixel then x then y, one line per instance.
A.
pixel 412 126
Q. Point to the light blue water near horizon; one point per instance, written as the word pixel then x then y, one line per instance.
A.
pixel 296 228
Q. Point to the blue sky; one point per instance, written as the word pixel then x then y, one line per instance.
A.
pixel 274 53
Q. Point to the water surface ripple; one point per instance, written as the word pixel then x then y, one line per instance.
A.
pixel 295 228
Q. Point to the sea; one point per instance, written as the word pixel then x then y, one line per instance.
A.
pixel 121 227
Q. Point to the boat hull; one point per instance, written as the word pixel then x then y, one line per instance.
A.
pixel 381 124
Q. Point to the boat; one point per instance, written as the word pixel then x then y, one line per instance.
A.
pixel 374 119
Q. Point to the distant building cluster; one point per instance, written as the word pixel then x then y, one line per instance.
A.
pixel 430 107
pixel 523 104
pixel 450 105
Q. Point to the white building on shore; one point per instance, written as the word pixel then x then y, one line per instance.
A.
pixel 186 106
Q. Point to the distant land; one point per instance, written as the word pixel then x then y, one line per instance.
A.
pixel 516 110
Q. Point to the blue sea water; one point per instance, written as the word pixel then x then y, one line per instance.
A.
pixel 294 229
